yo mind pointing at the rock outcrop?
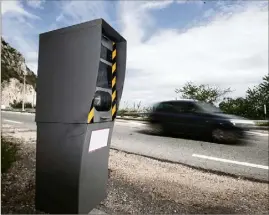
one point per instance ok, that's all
(13, 68)
(12, 91)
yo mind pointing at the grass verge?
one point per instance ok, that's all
(9, 153)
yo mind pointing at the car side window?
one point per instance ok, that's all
(185, 107)
(166, 107)
(190, 108)
(178, 107)
(170, 108)
(159, 108)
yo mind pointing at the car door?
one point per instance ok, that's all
(193, 118)
(196, 122)
(187, 117)
(174, 117)
(166, 114)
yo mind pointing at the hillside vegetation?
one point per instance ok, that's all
(11, 61)
(12, 76)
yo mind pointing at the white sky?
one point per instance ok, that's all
(229, 51)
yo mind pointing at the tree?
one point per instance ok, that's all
(252, 106)
(238, 106)
(258, 97)
(264, 89)
(201, 92)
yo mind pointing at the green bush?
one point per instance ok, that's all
(9, 154)
(122, 112)
(16, 104)
(262, 123)
(136, 111)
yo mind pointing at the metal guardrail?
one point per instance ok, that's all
(26, 110)
(142, 114)
(121, 115)
(261, 121)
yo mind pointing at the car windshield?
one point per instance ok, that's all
(208, 107)
(155, 105)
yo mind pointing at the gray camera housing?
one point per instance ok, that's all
(72, 151)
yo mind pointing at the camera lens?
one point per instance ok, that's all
(102, 101)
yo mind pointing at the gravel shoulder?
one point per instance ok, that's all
(140, 185)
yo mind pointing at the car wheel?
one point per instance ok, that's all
(218, 135)
(224, 136)
(157, 128)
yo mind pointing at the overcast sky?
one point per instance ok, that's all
(221, 43)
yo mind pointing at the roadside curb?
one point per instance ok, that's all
(133, 119)
(263, 128)
(17, 112)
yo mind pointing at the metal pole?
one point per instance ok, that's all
(24, 71)
(264, 106)
(33, 99)
(23, 98)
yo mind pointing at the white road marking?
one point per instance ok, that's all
(12, 121)
(136, 123)
(130, 123)
(258, 133)
(121, 121)
(231, 161)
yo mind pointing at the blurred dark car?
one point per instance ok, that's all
(198, 119)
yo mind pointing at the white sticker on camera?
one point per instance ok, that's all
(99, 139)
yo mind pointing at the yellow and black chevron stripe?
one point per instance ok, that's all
(114, 80)
(91, 114)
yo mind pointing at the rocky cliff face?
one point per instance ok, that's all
(12, 92)
(13, 68)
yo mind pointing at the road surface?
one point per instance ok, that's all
(249, 159)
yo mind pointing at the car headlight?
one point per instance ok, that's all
(242, 122)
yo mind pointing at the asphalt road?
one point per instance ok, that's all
(248, 159)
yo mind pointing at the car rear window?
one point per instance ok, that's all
(166, 107)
